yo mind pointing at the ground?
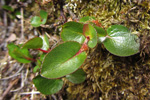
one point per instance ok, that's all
(109, 77)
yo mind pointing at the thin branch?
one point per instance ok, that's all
(23, 79)
(5, 25)
(26, 93)
(11, 84)
(22, 24)
(14, 75)
(52, 25)
(54, 97)
(74, 17)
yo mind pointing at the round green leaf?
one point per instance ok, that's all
(87, 19)
(34, 43)
(62, 60)
(19, 54)
(43, 15)
(36, 21)
(121, 42)
(77, 77)
(89, 31)
(47, 86)
(72, 31)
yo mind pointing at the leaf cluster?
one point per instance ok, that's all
(65, 59)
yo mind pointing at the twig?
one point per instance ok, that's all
(32, 93)
(54, 45)
(61, 3)
(48, 35)
(54, 97)
(11, 84)
(5, 24)
(23, 79)
(74, 17)
(52, 25)
(26, 93)
(22, 85)
(22, 24)
(16, 74)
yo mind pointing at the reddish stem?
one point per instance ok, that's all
(31, 59)
(45, 51)
(84, 46)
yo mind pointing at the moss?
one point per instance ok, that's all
(110, 77)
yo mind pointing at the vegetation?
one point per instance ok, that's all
(67, 57)
(81, 57)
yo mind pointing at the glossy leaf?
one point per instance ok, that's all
(45, 42)
(62, 60)
(101, 33)
(121, 42)
(72, 31)
(36, 21)
(89, 31)
(34, 43)
(47, 86)
(87, 19)
(21, 55)
(43, 15)
(77, 77)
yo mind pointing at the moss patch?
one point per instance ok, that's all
(110, 77)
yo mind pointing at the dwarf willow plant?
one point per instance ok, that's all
(36, 21)
(65, 59)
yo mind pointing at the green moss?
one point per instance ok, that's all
(110, 77)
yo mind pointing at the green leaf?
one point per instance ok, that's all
(72, 31)
(36, 21)
(36, 68)
(43, 15)
(9, 8)
(21, 55)
(34, 43)
(89, 31)
(121, 42)
(101, 33)
(42, 57)
(77, 77)
(40, 60)
(18, 13)
(47, 86)
(62, 60)
(45, 42)
(87, 19)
